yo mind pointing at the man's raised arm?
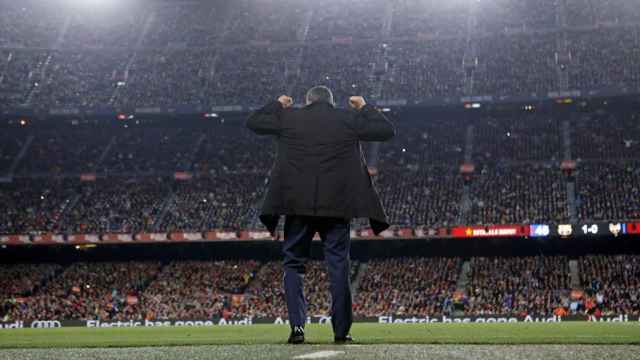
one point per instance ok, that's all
(371, 124)
(266, 121)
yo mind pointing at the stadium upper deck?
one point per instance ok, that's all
(196, 54)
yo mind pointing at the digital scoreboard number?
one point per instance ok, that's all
(591, 229)
(539, 230)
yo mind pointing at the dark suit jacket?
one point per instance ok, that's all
(320, 169)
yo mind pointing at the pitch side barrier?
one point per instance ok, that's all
(388, 319)
(525, 231)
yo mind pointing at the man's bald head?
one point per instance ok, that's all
(319, 94)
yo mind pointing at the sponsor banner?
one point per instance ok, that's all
(388, 234)
(490, 231)
(405, 233)
(117, 238)
(48, 239)
(367, 234)
(255, 235)
(151, 237)
(83, 239)
(185, 236)
(425, 233)
(599, 229)
(39, 324)
(226, 235)
(316, 319)
(15, 239)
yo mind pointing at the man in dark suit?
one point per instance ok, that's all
(320, 182)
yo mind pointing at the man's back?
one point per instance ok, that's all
(320, 169)
(316, 149)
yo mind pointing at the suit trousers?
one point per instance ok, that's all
(335, 235)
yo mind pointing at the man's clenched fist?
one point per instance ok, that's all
(357, 102)
(286, 101)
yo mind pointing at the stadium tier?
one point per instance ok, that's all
(135, 167)
(446, 173)
(191, 55)
(401, 287)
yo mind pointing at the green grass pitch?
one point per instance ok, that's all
(493, 334)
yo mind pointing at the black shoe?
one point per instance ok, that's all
(297, 335)
(343, 340)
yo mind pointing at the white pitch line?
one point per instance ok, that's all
(320, 354)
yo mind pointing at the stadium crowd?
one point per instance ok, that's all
(23, 279)
(222, 171)
(524, 194)
(517, 286)
(408, 286)
(201, 53)
(126, 205)
(605, 135)
(87, 291)
(512, 138)
(11, 141)
(611, 283)
(33, 205)
(195, 290)
(608, 191)
(187, 289)
(222, 201)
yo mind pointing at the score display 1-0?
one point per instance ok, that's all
(590, 229)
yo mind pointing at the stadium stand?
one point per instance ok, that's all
(136, 175)
(408, 286)
(523, 286)
(611, 284)
(33, 205)
(517, 177)
(506, 286)
(195, 289)
(608, 191)
(524, 194)
(88, 291)
(414, 50)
